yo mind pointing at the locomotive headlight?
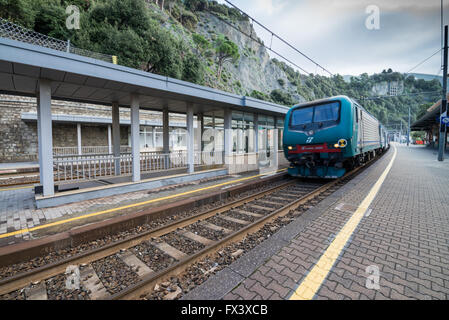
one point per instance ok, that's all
(336, 145)
(290, 148)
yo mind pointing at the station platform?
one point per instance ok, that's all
(383, 235)
(21, 220)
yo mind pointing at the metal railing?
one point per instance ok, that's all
(155, 161)
(95, 167)
(100, 166)
(16, 32)
(86, 150)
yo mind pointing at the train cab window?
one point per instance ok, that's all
(315, 117)
(327, 112)
(302, 116)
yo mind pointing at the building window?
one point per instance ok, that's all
(242, 132)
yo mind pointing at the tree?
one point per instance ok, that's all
(226, 50)
(196, 5)
(50, 19)
(18, 11)
(171, 4)
(201, 42)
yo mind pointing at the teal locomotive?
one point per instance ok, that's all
(329, 137)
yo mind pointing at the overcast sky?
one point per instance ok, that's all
(334, 33)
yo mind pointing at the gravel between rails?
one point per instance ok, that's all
(15, 295)
(58, 255)
(224, 223)
(57, 290)
(204, 232)
(154, 258)
(240, 216)
(199, 272)
(256, 210)
(181, 243)
(114, 274)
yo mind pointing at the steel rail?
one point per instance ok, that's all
(21, 280)
(147, 283)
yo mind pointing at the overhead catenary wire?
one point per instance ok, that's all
(281, 39)
(256, 40)
(422, 62)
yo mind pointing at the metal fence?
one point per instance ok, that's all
(15, 32)
(100, 166)
(90, 168)
(86, 150)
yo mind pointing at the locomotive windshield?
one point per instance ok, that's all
(302, 116)
(322, 113)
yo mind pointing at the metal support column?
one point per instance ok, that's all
(135, 135)
(408, 131)
(200, 130)
(276, 148)
(276, 143)
(166, 135)
(443, 107)
(228, 136)
(79, 141)
(190, 139)
(256, 132)
(116, 137)
(45, 138)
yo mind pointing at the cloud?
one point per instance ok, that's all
(333, 32)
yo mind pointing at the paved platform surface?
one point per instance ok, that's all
(18, 209)
(399, 250)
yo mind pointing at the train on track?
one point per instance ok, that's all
(329, 137)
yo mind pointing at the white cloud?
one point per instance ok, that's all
(333, 32)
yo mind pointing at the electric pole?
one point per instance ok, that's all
(408, 133)
(442, 137)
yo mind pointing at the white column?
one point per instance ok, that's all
(80, 144)
(109, 139)
(215, 133)
(135, 132)
(45, 138)
(166, 136)
(154, 137)
(256, 132)
(166, 130)
(190, 139)
(199, 130)
(276, 147)
(116, 136)
(228, 135)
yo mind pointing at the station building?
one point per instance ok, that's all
(430, 123)
(96, 126)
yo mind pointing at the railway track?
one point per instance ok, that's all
(134, 267)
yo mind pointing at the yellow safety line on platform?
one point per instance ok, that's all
(16, 188)
(313, 281)
(129, 206)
